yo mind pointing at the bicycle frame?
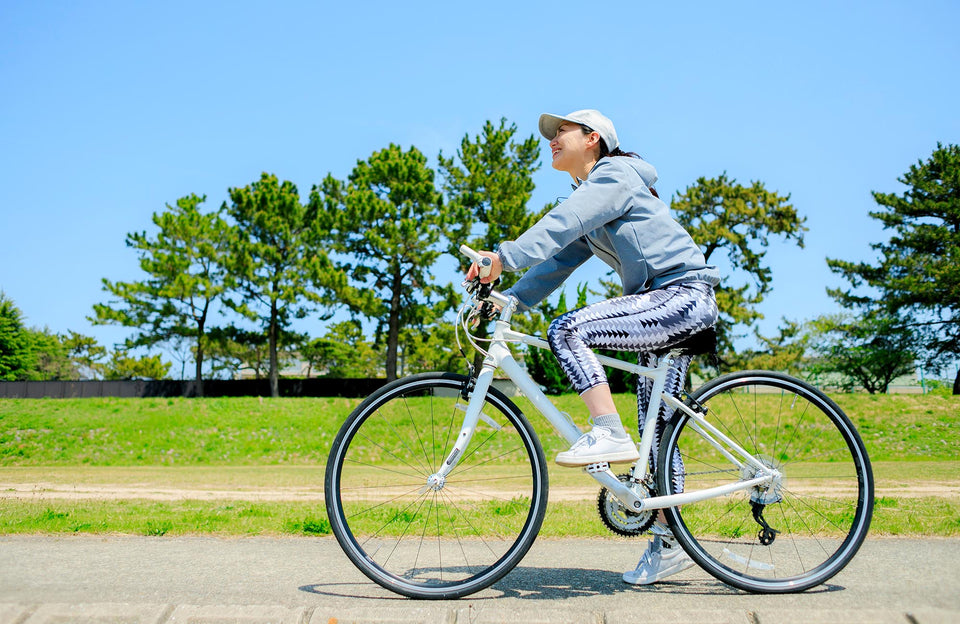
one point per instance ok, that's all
(499, 356)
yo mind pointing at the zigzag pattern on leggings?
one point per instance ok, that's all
(646, 322)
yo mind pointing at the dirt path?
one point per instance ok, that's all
(47, 490)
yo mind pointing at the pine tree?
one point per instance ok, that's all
(16, 357)
(278, 262)
(728, 219)
(185, 276)
(388, 225)
(917, 272)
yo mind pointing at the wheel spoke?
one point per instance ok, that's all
(412, 530)
(819, 507)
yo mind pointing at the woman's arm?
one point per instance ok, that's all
(604, 197)
(541, 280)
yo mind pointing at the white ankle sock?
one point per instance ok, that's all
(611, 422)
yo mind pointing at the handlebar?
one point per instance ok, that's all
(486, 292)
(484, 264)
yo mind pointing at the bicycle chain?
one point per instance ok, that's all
(618, 518)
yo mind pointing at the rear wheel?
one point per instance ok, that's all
(788, 535)
(409, 529)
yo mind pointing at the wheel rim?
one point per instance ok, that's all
(419, 534)
(817, 513)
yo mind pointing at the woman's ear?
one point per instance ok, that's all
(593, 140)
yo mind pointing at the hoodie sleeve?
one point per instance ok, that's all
(541, 280)
(603, 197)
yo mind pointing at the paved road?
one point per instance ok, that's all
(85, 579)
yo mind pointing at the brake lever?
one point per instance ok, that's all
(483, 290)
(471, 286)
(488, 311)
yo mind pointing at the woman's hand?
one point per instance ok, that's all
(496, 268)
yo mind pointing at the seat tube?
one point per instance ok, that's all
(659, 377)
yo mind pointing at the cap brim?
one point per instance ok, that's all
(549, 124)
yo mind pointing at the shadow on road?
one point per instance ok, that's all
(531, 583)
(559, 583)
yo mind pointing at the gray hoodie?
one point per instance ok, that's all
(614, 216)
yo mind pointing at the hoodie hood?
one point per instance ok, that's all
(645, 170)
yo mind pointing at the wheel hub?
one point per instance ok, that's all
(436, 482)
(767, 493)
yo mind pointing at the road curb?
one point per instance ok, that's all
(59, 613)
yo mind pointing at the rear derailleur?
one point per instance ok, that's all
(767, 534)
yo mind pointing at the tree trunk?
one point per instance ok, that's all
(956, 383)
(199, 375)
(393, 327)
(274, 368)
(199, 358)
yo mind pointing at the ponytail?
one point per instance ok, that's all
(616, 152)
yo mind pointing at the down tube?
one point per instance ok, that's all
(531, 390)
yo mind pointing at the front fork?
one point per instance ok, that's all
(477, 390)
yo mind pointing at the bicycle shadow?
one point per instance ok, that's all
(538, 583)
(525, 582)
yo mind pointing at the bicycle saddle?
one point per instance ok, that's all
(701, 343)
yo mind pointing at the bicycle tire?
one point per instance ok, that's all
(816, 518)
(418, 540)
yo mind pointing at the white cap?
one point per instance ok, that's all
(593, 119)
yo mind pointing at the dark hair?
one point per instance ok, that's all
(616, 152)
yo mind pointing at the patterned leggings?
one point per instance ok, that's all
(650, 321)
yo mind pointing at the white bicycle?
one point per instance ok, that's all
(436, 485)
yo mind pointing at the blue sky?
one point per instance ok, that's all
(111, 110)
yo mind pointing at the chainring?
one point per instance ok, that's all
(618, 518)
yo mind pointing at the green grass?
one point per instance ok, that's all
(900, 509)
(150, 432)
(251, 431)
(902, 427)
(892, 517)
(158, 518)
(250, 446)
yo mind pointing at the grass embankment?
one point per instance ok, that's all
(246, 466)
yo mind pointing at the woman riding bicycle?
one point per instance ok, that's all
(615, 214)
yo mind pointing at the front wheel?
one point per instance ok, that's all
(409, 529)
(794, 532)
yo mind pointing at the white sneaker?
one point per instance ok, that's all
(599, 445)
(662, 558)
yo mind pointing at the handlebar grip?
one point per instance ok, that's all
(484, 264)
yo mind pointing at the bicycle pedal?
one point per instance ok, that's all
(597, 467)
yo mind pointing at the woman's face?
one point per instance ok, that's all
(569, 148)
